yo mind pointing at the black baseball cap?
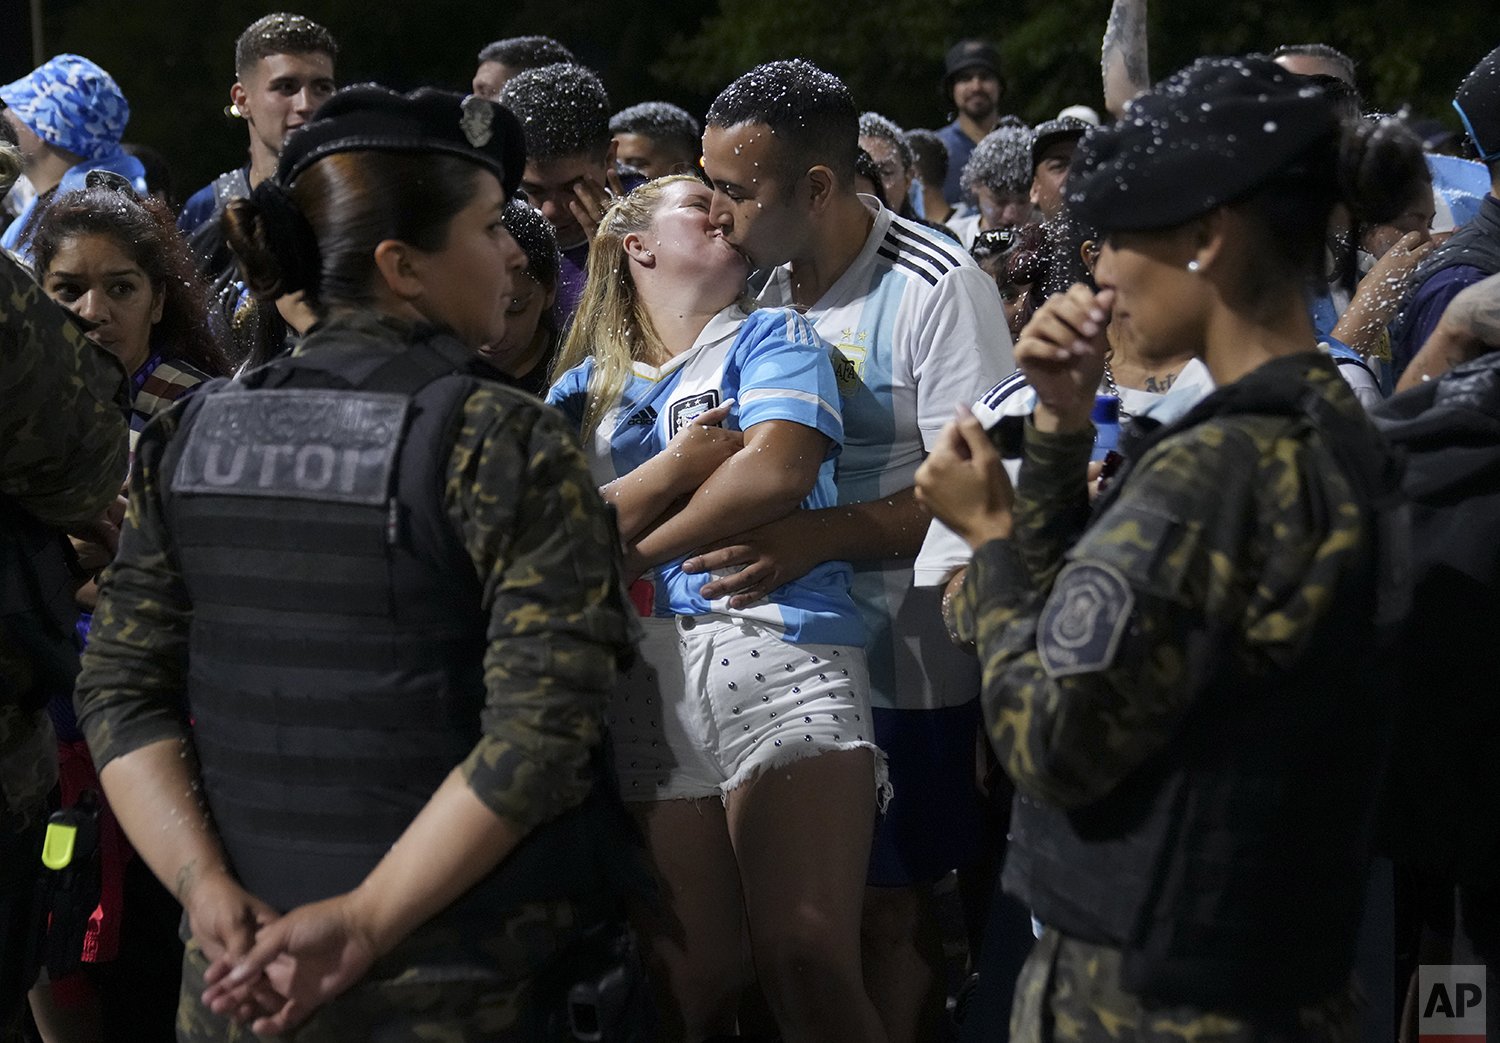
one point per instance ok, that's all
(1050, 132)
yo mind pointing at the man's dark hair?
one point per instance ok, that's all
(527, 52)
(281, 33)
(874, 125)
(537, 239)
(810, 111)
(659, 121)
(563, 108)
(1321, 51)
(929, 156)
(1000, 162)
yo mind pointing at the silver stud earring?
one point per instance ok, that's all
(1193, 265)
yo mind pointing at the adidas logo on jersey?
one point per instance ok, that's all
(642, 418)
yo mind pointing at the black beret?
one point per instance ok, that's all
(1478, 105)
(1203, 137)
(426, 120)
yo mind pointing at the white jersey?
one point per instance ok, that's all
(966, 228)
(1014, 397)
(918, 330)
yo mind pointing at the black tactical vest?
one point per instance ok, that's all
(337, 634)
(1229, 868)
(37, 607)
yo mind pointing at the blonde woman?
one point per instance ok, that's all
(742, 736)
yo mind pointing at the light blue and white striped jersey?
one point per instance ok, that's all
(918, 329)
(775, 368)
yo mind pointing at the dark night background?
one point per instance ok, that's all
(174, 59)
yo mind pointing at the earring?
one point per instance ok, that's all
(650, 256)
(1193, 265)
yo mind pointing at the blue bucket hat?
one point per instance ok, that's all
(71, 103)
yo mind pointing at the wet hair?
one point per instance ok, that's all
(612, 325)
(865, 167)
(811, 113)
(526, 52)
(1386, 167)
(563, 109)
(537, 239)
(929, 155)
(146, 231)
(281, 33)
(1000, 162)
(874, 125)
(1063, 236)
(1367, 165)
(350, 202)
(1322, 52)
(660, 121)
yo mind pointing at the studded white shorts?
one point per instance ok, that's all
(714, 699)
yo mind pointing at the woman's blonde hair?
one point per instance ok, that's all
(611, 323)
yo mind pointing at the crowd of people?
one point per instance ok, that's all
(616, 575)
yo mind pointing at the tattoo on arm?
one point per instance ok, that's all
(187, 876)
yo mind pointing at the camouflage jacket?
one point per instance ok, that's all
(519, 494)
(62, 458)
(1098, 633)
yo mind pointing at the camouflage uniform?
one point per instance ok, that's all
(1099, 635)
(519, 494)
(62, 458)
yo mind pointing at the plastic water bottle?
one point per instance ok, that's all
(1106, 417)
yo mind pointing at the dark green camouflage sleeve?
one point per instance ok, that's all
(63, 446)
(1051, 511)
(547, 552)
(63, 454)
(1226, 540)
(1052, 499)
(131, 690)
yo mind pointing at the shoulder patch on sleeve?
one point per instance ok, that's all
(1084, 619)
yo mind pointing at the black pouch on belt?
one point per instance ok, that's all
(70, 887)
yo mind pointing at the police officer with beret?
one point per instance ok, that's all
(386, 596)
(1183, 681)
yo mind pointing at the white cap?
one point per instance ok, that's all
(1080, 112)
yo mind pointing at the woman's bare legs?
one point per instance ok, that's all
(693, 937)
(801, 834)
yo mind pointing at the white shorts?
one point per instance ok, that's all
(712, 700)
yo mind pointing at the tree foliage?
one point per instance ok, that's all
(174, 58)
